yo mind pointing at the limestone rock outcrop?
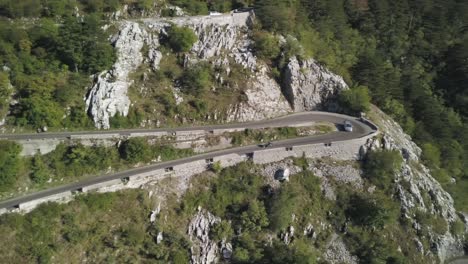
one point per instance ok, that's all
(264, 100)
(310, 86)
(204, 250)
(108, 96)
(222, 40)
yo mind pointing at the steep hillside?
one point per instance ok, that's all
(142, 64)
(224, 46)
(328, 211)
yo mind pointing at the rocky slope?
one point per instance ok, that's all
(223, 40)
(309, 86)
(414, 182)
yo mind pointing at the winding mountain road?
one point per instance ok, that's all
(360, 129)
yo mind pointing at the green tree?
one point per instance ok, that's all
(98, 58)
(39, 170)
(135, 150)
(277, 15)
(82, 45)
(145, 4)
(356, 99)
(431, 155)
(197, 79)
(39, 111)
(221, 231)
(9, 163)
(181, 39)
(255, 217)
(266, 45)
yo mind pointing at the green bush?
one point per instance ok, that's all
(39, 170)
(216, 167)
(181, 39)
(10, 163)
(266, 45)
(380, 167)
(237, 139)
(369, 247)
(135, 150)
(221, 231)
(431, 155)
(197, 80)
(255, 217)
(432, 222)
(457, 228)
(194, 7)
(355, 100)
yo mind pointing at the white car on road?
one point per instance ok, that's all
(348, 126)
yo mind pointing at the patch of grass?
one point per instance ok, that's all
(324, 128)
(431, 222)
(457, 228)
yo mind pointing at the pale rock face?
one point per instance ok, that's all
(204, 251)
(264, 100)
(308, 85)
(222, 40)
(108, 96)
(337, 252)
(419, 181)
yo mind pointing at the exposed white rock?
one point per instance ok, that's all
(159, 238)
(153, 216)
(263, 100)
(288, 235)
(222, 40)
(343, 173)
(108, 96)
(309, 231)
(269, 171)
(337, 252)
(310, 86)
(177, 11)
(204, 251)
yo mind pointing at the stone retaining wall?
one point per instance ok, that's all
(60, 197)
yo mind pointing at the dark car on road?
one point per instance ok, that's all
(266, 145)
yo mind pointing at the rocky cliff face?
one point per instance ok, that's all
(413, 182)
(108, 96)
(309, 86)
(204, 251)
(223, 40)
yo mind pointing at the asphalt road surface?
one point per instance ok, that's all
(289, 120)
(360, 129)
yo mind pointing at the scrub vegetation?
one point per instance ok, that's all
(116, 226)
(71, 162)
